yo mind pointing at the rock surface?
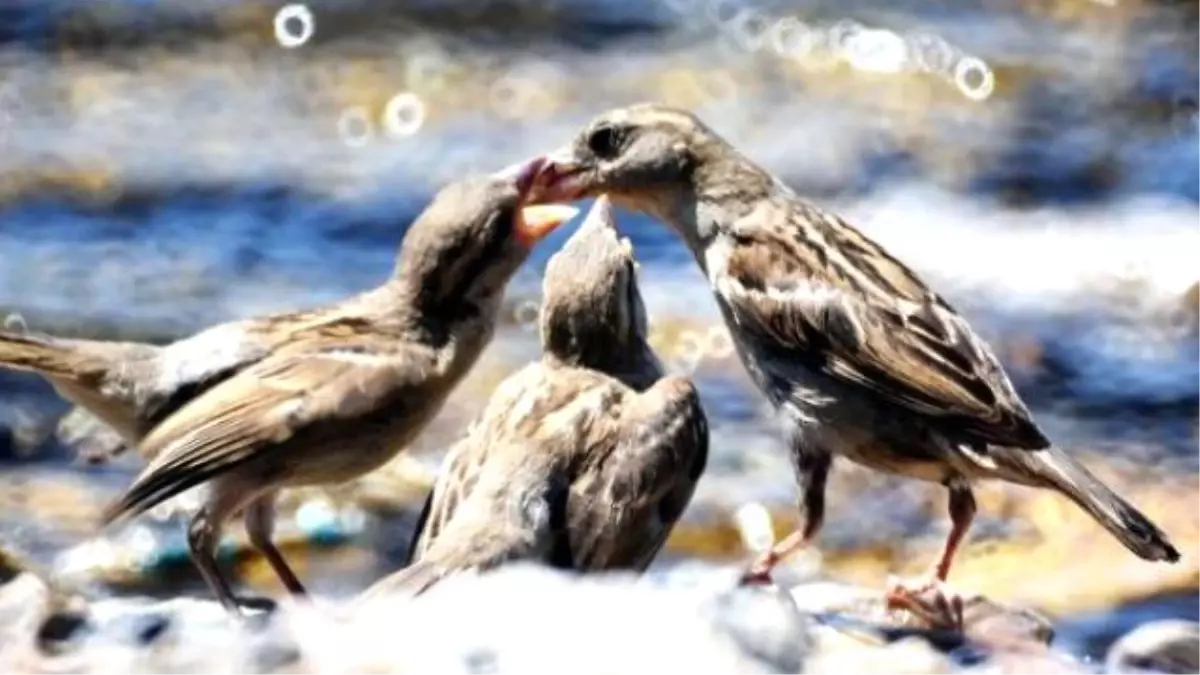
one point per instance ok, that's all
(522, 618)
(1159, 646)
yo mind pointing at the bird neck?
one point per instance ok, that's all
(632, 362)
(722, 190)
(642, 368)
(431, 289)
(460, 328)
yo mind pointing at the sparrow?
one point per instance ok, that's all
(858, 355)
(332, 394)
(581, 461)
(122, 390)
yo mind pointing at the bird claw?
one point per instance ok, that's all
(251, 609)
(930, 600)
(759, 572)
(756, 577)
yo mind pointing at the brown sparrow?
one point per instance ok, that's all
(861, 358)
(582, 461)
(131, 387)
(339, 391)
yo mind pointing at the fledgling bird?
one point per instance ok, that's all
(582, 461)
(122, 390)
(343, 390)
(861, 358)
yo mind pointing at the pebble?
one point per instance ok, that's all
(1167, 646)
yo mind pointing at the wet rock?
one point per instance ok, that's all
(517, 619)
(858, 633)
(520, 618)
(841, 654)
(985, 622)
(689, 619)
(35, 615)
(1159, 646)
(816, 627)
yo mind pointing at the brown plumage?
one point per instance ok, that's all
(337, 392)
(582, 461)
(859, 355)
(131, 387)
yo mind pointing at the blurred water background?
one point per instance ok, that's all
(165, 165)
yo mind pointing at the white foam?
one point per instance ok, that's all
(1050, 257)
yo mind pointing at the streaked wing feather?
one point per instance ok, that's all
(621, 513)
(465, 461)
(265, 404)
(456, 479)
(514, 512)
(907, 346)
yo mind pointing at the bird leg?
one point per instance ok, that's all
(931, 599)
(812, 470)
(203, 536)
(225, 499)
(260, 524)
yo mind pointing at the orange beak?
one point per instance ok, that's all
(535, 222)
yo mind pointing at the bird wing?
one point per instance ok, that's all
(855, 313)
(267, 404)
(513, 512)
(191, 366)
(622, 508)
(466, 459)
(456, 479)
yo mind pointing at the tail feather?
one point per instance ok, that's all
(101, 378)
(1119, 517)
(39, 354)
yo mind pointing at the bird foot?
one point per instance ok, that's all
(756, 577)
(931, 600)
(257, 603)
(759, 572)
(249, 607)
(253, 612)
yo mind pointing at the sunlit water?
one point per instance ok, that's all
(1055, 213)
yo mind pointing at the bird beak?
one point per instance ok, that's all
(559, 178)
(522, 175)
(535, 222)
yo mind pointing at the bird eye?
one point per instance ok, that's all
(605, 142)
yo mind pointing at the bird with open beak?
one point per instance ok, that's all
(861, 358)
(313, 397)
(121, 390)
(582, 461)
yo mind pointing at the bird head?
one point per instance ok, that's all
(639, 155)
(592, 311)
(473, 237)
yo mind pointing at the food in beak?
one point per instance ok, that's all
(535, 222)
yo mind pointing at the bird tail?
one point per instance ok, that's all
(34, 353)
(1119, 517)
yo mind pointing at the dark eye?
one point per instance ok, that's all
(605, 142)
